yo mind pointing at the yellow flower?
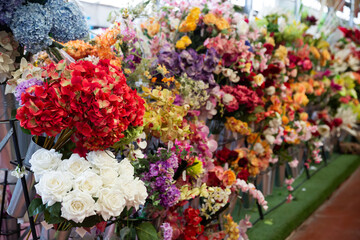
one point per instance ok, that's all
(325, 56)
(152, 27)
(183, 42)
(162, 69)
(222, 24)
(191, 21)
(209, 19)
(281, 53)
(247, 67)
(259, 79)
(270, 40)
(315, 52)
(196, 169)
(237, 126)
(231, 228)
(301, 99)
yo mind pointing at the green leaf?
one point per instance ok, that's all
(36, 206)
(55, 209)
(89, 221)
(146, 231)
(124, 232)
(51, 219)
(26, 131)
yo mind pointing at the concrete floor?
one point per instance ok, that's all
(338, 218)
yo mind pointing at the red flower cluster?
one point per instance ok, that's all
(226, 155)
(353, 34)
(193, 226)
(42, 112)
(244, 97)
(93, 100)
(100, 102)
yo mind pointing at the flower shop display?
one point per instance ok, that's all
(158, 131)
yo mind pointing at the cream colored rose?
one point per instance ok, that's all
(228, 98)
(108, 175)
(125, 169)
(77, 205)
(89, 182)
(134, 192)
(227, 72)
(324, 130)
(44, 160)
(259, 79)
(102, 159)
(111, 203)
(270, 139)
(75, 165)
(258, 148)
(242, 27)
(270, 90)
(53, 186)
(218, 69)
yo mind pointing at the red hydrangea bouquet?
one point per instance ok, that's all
(89, 103)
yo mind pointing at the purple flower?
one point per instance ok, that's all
(167, 231)
(24, 85)
(189, 62)
(211, 60)
(160, 178)
(170, 197)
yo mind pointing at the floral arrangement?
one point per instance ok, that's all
(83, 192)
(162, 130)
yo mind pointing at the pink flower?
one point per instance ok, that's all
(294, 163)
(289, 181)
(289, 198)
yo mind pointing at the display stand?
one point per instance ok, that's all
(12, 133)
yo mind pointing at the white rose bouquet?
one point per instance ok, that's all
(81, 192)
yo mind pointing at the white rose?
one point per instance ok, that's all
(242, 27)
(111, 203)
(218, 69)
(53, 186)
(228, 98)
(324, 130)
(270, 90)
(126, 170)
(174, 23)
(227, 72)
(77, 205)
(134, 191)
(44, 160)
(75, 165)
(234, 77)
(275, 123)
(258, 148)
(102, 159)
(88, 182)
(139, 195)
(108, 175)
(270, 139)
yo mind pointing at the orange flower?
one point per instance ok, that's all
(285, 119)
(229, 178)
(209, 19)
(222, 24)
(304, 116)
(152, 27)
